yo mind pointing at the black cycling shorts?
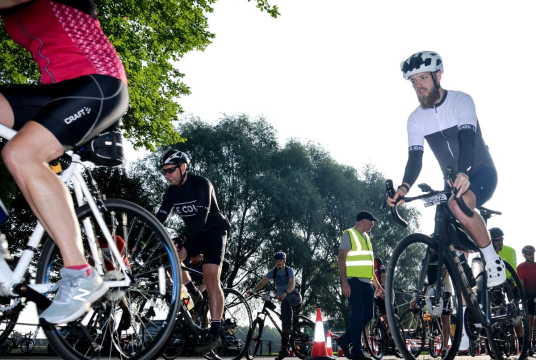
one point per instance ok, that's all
(209, 243)
(74, 111)
(380, 302)
(530, 304)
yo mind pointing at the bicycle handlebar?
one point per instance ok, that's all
(390, 193)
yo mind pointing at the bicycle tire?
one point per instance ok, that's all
(414, 330)
(149, 315)
(236, 323)
(522, 312)
(26, 346)
(375, 339)
(435, 343)
(301, 339)
(402, 272)
(256, 339)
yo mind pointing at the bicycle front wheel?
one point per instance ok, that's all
(134, 322)
(302, 338)
(402, 279)
(255, 346)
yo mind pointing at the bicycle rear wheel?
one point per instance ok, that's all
(413, 330)
(375, 339)
(302, 338)
(236, 326)
(402, 275)
(129, 323)
(512, 309)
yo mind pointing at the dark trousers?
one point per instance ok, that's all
(361, 303)
(291, 300)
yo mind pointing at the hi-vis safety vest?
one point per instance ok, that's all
(360, 259)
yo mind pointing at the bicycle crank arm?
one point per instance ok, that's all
(26, 291)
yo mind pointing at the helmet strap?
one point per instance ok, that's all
(182, 175)
(434, 80)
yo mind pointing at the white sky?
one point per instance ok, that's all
(328, 71)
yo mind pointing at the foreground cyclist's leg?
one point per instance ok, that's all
(27, 156)
(483, 184)
(211, 277)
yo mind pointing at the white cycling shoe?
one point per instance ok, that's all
(496, 272)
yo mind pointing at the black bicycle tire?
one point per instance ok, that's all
(524, 318)
(411, 313)
(256, 339)
(434, 353)
(26, 345)
(382, 339)
(389, 296)
(228, 315)
(161, 241)
(295, 335)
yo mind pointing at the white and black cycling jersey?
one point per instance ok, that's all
(441, 127)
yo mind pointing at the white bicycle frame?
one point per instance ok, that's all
(9, 278)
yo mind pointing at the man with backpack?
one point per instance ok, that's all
(283, 277)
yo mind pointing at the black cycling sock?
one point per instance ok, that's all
(214, 327)
(191, 288)
(520, 340)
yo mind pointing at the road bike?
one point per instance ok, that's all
(192, 326)
(123, 323)
(301, 338)
(378, 340)
(488, 309)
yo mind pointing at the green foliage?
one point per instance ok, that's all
(263, 5)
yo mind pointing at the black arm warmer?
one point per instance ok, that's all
(199, 221)
(466, 139)
(413, 167)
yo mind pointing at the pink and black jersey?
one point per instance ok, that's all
(65, 39)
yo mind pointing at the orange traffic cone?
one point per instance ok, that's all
(328, 344)
(290, 352)
(340, 353)
(320, 351)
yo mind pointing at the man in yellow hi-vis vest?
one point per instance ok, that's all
(356, 266)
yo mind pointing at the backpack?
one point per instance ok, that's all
(296, 286)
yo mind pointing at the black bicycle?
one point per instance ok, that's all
(192, 327)
(488, 310)
(378, 340)
(301, 338)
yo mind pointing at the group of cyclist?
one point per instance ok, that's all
(83, 92)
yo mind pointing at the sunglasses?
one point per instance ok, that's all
(170, 170)
(497, 239)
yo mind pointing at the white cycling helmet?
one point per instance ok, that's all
(424, 61)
